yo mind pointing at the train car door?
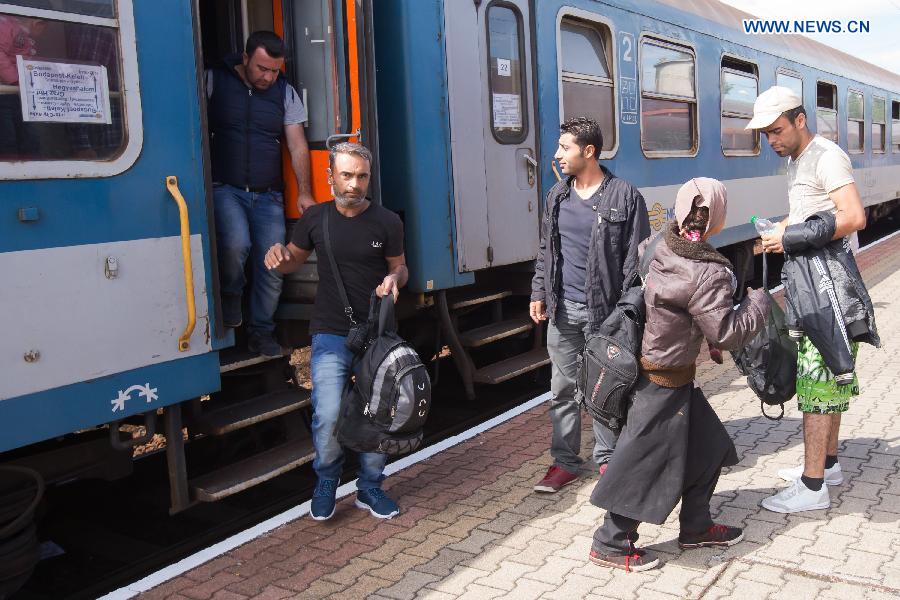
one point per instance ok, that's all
(104, 303)
(492, 140)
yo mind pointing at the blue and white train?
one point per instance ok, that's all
(109, 309)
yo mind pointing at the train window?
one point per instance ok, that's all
(91, 8)
(792, 82)
(739, 89)
(855, 122)
(878, 124)
(316, 64)
(895, 126)
(506, 73)
(587, 84)
(668, 99)
(73, 91)
(826, 110)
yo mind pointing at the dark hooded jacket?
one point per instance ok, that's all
(613, 253)
(825, 297)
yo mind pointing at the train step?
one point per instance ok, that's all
(256, 469)
(512, 367)
(256, 410)
(486, 334)
(464, 298)
(232, 359)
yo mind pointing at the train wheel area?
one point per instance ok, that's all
(472, 526)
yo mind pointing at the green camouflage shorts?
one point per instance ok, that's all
(816, 390)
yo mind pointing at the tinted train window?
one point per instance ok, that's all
(67, 74)
(739, 88)
(668, 99)
(826, 111)
(855, 122)
(895, 126)
(587, 84)
(878, 124)
(506, 74)
(792, 82)
(92, 8)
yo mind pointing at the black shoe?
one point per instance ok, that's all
(265, 345)
(717, 535)
(231, 311)
(638, 559)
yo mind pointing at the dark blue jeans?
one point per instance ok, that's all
(247, 225)
(330, 365)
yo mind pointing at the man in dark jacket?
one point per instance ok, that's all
(592, 226)
(251, 109)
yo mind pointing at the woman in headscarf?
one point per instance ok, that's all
(673, 445)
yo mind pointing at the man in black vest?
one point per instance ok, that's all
(251, 109)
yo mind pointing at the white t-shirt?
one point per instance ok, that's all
(820, 169)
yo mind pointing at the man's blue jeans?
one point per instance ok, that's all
(330, 364)
(248, 224)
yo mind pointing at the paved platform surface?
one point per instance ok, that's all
(472, 527)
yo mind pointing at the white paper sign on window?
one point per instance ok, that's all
(507, 111)
(504, 68)
(53, 92)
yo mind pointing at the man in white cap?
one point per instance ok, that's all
(820, 177)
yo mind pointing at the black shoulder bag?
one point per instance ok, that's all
(609, 365)
(359, 332)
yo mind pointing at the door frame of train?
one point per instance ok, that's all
(479, 244)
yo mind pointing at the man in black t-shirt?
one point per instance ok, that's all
(367, 240)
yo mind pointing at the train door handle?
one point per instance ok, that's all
(331, 140)
(532, 168)
(184, 342)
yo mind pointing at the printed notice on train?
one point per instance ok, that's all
(507, 111)
(55, 92)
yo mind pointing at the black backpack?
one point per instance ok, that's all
(387, 402)
(609, 365)
(770, 359)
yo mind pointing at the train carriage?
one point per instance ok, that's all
(109, 305)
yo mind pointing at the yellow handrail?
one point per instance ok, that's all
(184, 342)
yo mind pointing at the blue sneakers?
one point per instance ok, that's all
(376, 502)
(323, 501)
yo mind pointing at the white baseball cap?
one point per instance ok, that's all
(770, 104)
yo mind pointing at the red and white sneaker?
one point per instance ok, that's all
(554, 480)
(638, 559)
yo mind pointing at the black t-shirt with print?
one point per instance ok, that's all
(360, 245)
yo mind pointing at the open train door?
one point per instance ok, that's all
(493, 140)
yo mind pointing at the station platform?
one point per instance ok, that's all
(471, 526)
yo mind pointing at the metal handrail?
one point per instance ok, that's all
(184, 341)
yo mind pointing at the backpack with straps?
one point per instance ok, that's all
(609, 365)
(769, 360)
(387, 403)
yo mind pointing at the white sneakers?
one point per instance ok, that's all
(833, 476)
(797, 498)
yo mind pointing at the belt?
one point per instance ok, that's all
(262, 188)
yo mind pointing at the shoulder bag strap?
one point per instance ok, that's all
(649, 251)
(348, 310)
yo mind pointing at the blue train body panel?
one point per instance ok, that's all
(414, 137)
(40, 416)
(82, 220)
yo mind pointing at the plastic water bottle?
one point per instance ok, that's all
(763, 226)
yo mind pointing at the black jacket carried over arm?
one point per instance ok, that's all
(613, 252)
(825, 296)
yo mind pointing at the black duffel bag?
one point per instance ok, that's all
(769, 360)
